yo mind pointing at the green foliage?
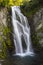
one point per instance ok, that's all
(11, 2)
(4, 3)
(8, 3)
(29, 8)
(3, 54)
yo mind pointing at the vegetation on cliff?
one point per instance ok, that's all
(11, 2)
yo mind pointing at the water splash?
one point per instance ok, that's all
(21, 28)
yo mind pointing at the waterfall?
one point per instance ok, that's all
(21, 30)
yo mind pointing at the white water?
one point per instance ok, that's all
(21, 28)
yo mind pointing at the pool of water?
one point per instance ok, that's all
(16, 60)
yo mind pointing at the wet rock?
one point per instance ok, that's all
(38, 23)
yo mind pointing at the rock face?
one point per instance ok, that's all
(3, 24)
(6, 43)
(38, 23)
(3, 19)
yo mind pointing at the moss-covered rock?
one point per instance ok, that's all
(6, 41)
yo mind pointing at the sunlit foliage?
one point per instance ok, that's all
(12, 2)
(15, 2)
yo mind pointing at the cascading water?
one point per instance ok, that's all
(21, 29)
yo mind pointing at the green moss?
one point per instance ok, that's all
(3, 54)
(1, 39)
(6, 30)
